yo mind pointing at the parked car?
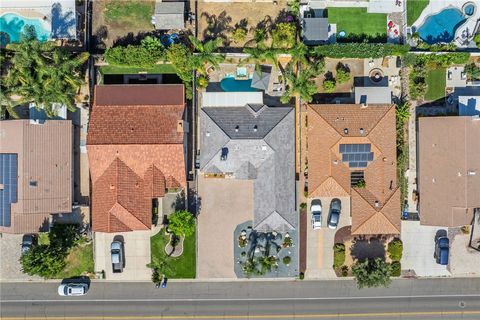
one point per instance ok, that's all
(28, 242)
(116, 250)
(334, 215)
(73, 289)
(442, 248)
(316, 209)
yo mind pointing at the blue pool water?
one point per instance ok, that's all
(441, 27)
(469, 9)
(13, 24)
(230, 84)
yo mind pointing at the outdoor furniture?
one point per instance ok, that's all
(241, 73)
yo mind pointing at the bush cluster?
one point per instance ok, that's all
(145, 55)
(395, 249)
(361, 50)
(395, 269)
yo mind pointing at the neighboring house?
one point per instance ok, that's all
(468, 100)
(448, 170)
(254, 143)
(169, 15)
(135, 147)
(352, 153)
(36, 166)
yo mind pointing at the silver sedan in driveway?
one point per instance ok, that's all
(334, 215)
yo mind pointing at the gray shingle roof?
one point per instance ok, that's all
(315, 30)
(266, 156)
(169, 15)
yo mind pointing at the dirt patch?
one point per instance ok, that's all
(105, 34)
(220, 19)
(356, 67)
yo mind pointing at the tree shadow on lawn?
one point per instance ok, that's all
(365, 249)
(217, 27)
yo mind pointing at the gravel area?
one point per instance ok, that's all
(10, 252)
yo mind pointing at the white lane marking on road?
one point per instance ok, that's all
(249, 299)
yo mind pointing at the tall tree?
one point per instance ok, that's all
(42, 73)
(206, 54)
(299, 84)
(372, 273)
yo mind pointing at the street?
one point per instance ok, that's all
(405, 299)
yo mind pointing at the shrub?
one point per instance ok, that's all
(344, 271)
(329, 85)
(43, 260)
(395, 269)
(181, 58)
(361, 50)
(476, 39)
(472, 71)
(243, 254)
(338, 255)
(284, 35)
(301, 276)
(135, 56)
(343, 75)
(287, 242)
(361, 184)
(395, 249)
(303, 205)
(239, 35)
(286, 260)
(181, 223)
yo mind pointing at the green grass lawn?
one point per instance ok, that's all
(357, 21)
(183, 267)
(134, 13)
(79, 262)
(436, 82)
(414, 10)
(158, 68)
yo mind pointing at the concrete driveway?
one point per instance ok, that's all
(418, 250)
(137, 255)
(10, 252)
(225, 203)
(320, 242)
(464, 260)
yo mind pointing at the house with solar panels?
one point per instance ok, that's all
(35, 173)
(352, 157)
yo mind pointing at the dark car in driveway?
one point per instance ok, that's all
(442, 250)
(117, 252)
(334, 214)
(28, 242)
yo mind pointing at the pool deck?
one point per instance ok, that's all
(470, 25)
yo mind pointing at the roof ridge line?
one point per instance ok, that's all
(381, 118)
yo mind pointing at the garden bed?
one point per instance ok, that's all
(183, 267)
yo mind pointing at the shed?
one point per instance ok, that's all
(169, 15)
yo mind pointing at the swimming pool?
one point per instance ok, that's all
(441, 27)
(229, 84)
(12, 25)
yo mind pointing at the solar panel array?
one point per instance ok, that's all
(357, 155)
(8, 194)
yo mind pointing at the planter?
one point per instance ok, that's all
(174, 251)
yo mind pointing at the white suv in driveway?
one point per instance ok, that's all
(316, 210)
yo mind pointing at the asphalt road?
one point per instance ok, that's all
(405, 299)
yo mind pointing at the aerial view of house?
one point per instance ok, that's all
(239, 159)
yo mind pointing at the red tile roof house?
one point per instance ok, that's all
(135, 148)
(348, 143)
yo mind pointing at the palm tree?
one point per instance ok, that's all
(206, 55)
(261, 54)
(299, 54)
(267, 263)
(43, 74)
(300, 84)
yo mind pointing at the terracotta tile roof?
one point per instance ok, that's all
(132, 95)
(128, 167)
(332, 125)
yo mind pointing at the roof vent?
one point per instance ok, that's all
(33, 183)
(471, 172)
(345, 130)
(112, 187)
(236, 128)
(207, 133)
(362, 131)
(255, 128)
(335, 162)
(377, 204)
(364, 105)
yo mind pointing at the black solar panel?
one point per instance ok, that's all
(8, 192)
(357, 155)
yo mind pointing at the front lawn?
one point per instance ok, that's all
(356, 21)
(132, 13)
(183, 267)
(436, 82)
(79, 262)
(414, 10)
